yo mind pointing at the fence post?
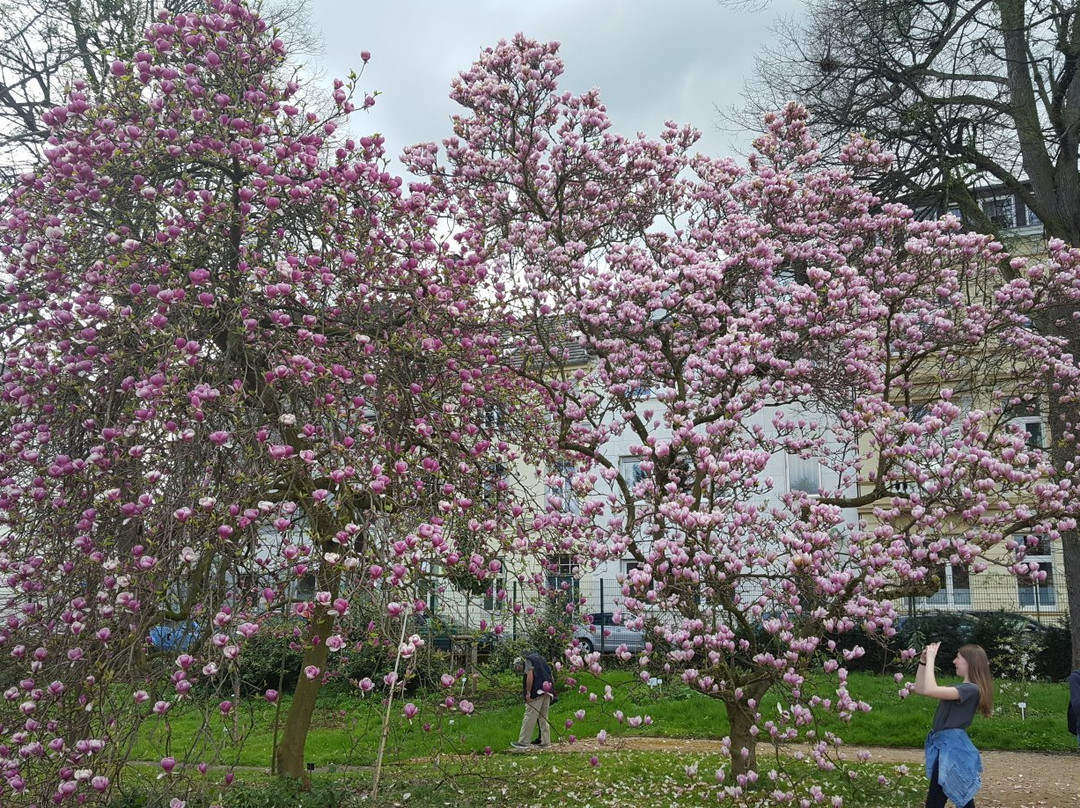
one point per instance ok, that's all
(603, 611)
(514, 612)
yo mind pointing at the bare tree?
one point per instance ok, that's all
(966, 93)
(45, 45)
(969, 94)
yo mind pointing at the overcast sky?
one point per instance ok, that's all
(652, 61)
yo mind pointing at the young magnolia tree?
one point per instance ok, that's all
(736, 314)
(236, 357)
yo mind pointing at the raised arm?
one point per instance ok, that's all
(925, 681)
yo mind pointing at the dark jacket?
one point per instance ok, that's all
(542, 680)
(1074, 702)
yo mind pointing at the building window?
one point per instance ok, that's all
(1001, 211)
(1037, 593)
(630, 471)
(917, 413)
(1026, 415)
(492, 419)
(560, 494)
(491, 595)
(804, 474)
(793, 272)
(631, 564)
(955, 586)
(560, 576)
(493, 484)
(1030, 219)
(305, 588)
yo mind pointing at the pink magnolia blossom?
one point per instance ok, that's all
(723, 308)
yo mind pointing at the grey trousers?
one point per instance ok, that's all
(536, 710)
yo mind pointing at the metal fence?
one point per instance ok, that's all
(519, 608)
(989, 591)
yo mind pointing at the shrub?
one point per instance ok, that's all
(503, 655)
(272, 659)
(880, 653)
(549, 634)
(1017, 647)
(1052, 657)
(1009, 641)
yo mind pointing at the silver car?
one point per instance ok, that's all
(605, 636)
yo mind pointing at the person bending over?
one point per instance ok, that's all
(537, 687)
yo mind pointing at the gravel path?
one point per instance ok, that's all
(1014, 779)
(1010, 779)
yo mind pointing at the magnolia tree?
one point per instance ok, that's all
(733, 314)
(236, 357)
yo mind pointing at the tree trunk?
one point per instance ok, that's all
(290, 752)
(289, 756)
(743, 743)
(1064, 420)
(1070, 553)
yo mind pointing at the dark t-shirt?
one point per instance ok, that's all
(958, 714)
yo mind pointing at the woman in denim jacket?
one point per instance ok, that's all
(953, 763)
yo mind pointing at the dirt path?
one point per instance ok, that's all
(1010, 779)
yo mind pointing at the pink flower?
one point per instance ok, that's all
(410, 710)
(466, 707)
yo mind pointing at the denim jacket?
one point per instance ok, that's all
(959, 765)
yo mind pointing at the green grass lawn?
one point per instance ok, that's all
(442, 757)
(621, 778)
(347, 724)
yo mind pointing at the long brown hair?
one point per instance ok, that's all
(979, 675)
